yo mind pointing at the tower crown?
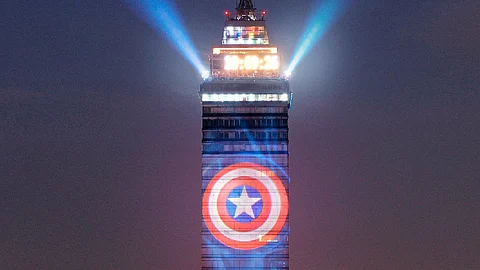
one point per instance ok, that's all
(245, 51)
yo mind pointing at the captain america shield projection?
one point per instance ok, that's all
(245, 206)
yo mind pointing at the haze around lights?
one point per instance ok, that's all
(323, 16)
(163, 16)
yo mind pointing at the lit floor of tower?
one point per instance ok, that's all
(245, 176)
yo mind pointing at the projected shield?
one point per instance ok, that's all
(245, 206)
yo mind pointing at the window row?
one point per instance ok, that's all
(244, 97)
(273, 86)
(244, 264)
(211, 163)
(245, 148)
(232, 109)
(246, 135)
(244, 123)
(256, 148)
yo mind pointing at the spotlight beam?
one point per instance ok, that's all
(163, 17)
(320, 21)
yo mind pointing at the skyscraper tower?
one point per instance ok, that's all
(245, 170)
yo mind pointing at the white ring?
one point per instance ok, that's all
(266, 227)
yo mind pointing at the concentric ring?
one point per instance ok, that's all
(263, 228)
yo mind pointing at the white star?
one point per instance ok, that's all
(244, 204)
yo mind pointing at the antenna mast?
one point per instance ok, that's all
(245, 11)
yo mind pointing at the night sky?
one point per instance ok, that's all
(100, 142)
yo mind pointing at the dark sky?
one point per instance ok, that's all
(100, 138)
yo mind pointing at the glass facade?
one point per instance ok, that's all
(245, 182)
(245, 150)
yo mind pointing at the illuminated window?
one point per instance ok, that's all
(244, 97)
(245, 35)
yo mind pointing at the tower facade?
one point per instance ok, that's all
(245, 168)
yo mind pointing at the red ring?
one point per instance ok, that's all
(254, 243)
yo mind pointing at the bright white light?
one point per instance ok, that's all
(287, 73)
(244, 97)
(231, 62)
(271, 62)
(205, 74)
(251, 62)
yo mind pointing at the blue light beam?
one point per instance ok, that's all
(163, 17)
(323, 16)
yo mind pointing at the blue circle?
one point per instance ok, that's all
(256, 207)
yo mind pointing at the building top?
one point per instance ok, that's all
(245, 52)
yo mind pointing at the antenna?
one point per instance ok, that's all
(245, 11)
